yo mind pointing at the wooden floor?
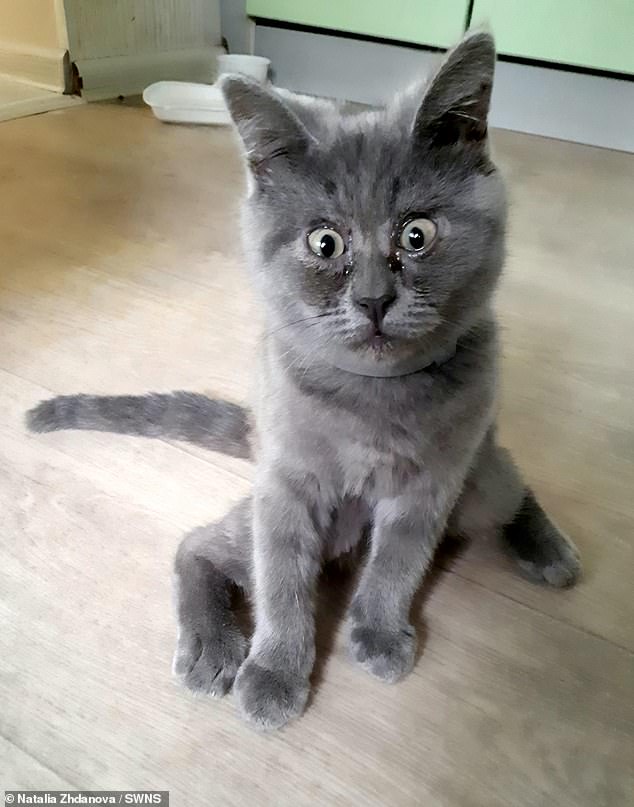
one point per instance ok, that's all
(120, 271)
(18, 99)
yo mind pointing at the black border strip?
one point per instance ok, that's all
(312, 29)
(467, 21)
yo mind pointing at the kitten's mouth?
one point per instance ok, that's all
(378, 342)
(374, 343)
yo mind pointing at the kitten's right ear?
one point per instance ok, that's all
(268, 128)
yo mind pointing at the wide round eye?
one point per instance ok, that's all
(326, 243)
(418, 235)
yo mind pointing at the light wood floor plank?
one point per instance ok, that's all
(20, 771)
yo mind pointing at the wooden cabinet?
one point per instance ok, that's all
(427, 22)
(597, 34)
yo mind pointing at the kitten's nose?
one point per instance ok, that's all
(375, 308)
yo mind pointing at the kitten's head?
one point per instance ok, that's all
(378, 236)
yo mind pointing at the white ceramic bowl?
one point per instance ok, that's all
(255, 66)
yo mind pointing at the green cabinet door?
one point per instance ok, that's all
(590, 33)
(426, 22)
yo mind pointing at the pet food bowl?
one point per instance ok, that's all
(184, 102)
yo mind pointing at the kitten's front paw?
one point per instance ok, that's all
(206, 665)
(386, 654)
(267, 699)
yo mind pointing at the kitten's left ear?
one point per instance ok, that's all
(268, 128)
(456, 103)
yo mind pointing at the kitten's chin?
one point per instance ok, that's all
(381, 357)
(380, 345)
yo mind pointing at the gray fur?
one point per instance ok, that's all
(399, 440)
(357, 437)
(537, 546)
(213, 424)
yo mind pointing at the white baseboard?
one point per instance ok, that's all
(111, 76)
(38, 67)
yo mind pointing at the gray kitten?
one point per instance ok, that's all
(375, 241)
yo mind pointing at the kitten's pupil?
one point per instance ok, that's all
(326, 243)
(416, 238)
(418, 235)
(327, 246)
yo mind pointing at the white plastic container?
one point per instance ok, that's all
(184, 102)
(255, 66)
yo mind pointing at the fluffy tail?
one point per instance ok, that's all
(214, 424)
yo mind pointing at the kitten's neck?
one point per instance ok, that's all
(476, 347)
(370, 365)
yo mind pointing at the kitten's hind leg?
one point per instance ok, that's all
(495, 500)
(541, 550)
(211, 561)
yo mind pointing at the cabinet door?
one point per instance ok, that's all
(426, 22)
(590, 33)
